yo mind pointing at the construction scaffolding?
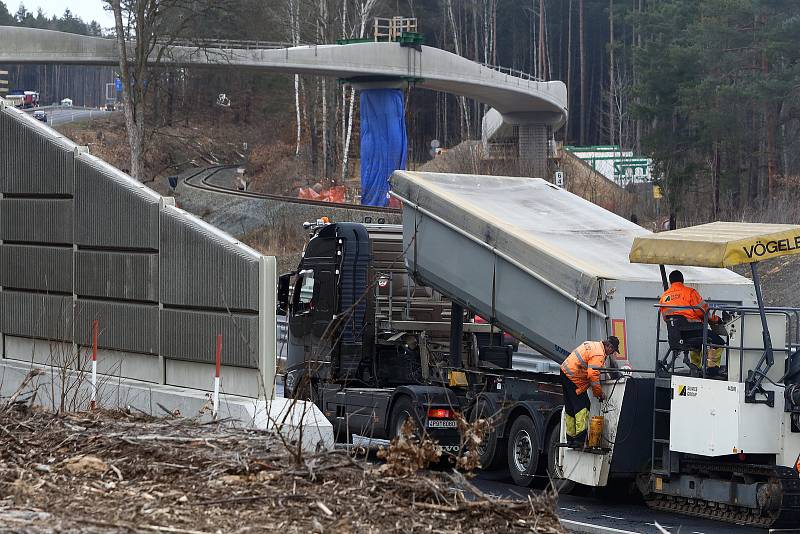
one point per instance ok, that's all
(390, 29)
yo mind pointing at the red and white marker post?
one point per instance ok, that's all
(93, 401)
(215, 397)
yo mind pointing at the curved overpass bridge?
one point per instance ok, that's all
(520, 99)
(516, 99)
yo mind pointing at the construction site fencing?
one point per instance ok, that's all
(81, 241)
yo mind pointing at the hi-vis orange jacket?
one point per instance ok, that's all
(578, 367)
(681, 295)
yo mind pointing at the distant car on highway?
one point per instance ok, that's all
(40, 116)
(67, 103)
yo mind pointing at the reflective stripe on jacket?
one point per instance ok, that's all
(580, 366)
(681, 295)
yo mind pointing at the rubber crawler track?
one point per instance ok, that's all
(202, 180)
(788, 515)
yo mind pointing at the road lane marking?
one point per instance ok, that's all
(521, 496)
(589, 528)
(613, 517)
(568, 509)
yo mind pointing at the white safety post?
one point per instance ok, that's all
(93, 402)
(215, 397)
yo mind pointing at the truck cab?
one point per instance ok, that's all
(354, 318)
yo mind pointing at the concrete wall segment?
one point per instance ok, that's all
(36, 315)
(47, 269)
(46, 166)
(117, 275)
(122, 326)
(36, 220)
(203, 267)
(191, 336)
(113, 210)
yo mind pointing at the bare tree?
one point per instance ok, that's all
(464, 111)
(294, 30)
(611, 79)
(145, 30)
(582, 45)
(365, 8)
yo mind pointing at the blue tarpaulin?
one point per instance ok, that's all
(383, 142)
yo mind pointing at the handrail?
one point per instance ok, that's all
(791, 342)
(513, 72)
(241, 44)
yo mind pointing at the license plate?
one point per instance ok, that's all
(441, 423)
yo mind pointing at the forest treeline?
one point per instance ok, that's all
(710, 89)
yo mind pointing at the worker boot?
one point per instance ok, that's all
(578, 442)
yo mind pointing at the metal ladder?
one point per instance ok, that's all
(662, 397)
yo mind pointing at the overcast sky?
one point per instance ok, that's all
(88, 10)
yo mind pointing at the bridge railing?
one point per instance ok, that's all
(513, 72)
(232, 44)
(240, 44)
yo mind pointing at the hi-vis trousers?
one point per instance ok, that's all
(576, 412)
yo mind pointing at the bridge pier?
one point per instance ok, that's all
(383, 143)
(533, 140)
(534, 129)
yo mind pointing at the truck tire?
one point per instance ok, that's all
(523, 451)
(562, 485)
(492, 450)
(403, 409)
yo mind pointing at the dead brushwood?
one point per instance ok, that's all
(112, 471)
(408, 453)
(472, 434)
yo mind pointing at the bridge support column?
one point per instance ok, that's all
(533, 139)
(384, 144)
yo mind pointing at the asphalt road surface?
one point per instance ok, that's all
(615, 511)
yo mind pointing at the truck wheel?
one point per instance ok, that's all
(554, 472)
(523, 451)
(401, 412)
(492, 450)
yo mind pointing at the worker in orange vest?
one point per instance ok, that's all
(678, 295)
(579, 372)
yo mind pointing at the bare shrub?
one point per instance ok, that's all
(472, 434)
(408, 453)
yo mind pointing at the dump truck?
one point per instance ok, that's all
(391, 340)
(374, 348)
